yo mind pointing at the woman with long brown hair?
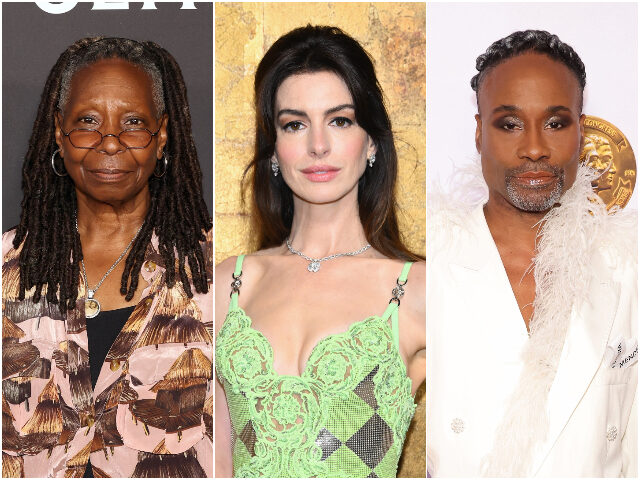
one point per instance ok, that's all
(317, 364)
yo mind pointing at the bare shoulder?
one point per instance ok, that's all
(265, 252)
(414, 289)
(253, 266)
(257, 263)
(415, 296)
(225, 268)
(223, 288)
(417, 277)
(418, 270)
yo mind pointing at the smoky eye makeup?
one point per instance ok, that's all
(509, 122)
(558, 121)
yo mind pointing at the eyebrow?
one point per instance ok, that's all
(515, 108)
(558, 108)
(300, 113)
(505, 108)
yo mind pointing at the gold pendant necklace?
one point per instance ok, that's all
(92, 305)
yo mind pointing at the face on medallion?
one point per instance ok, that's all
(321, 150)
(598, 155)
(529, 131)
(110, 96)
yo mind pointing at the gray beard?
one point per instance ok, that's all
(531, 201)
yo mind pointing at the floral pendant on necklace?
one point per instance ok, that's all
(314, 267)
(91, 305)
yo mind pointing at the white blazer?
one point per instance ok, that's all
(475, 334)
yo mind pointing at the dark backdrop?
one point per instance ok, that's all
(32, 40)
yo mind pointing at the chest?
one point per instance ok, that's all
(104, 277)
(518, 267)
(296, 313)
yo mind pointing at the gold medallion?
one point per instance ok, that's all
(91, 307)
(608, 151)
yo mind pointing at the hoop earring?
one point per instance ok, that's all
(166, 165)
(53, 164)
(275, 166)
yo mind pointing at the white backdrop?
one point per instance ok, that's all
(603, 34)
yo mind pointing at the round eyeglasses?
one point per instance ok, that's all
(91, 138)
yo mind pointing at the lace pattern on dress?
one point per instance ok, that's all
(345, 416)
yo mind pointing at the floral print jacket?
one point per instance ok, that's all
(151, 412)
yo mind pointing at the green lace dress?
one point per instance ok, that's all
(345, 416)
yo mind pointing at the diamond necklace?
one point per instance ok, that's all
(314, 263)
(92, 305)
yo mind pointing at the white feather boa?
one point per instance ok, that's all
(568, 237)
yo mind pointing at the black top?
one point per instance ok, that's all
(102, 331)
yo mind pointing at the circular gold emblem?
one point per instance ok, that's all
(91, 308)
(607, 150)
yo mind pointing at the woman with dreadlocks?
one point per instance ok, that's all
(107, 310)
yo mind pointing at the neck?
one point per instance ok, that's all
(510, 225)
(111, 220)
(319, 230)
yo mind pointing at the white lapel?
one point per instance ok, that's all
(489, 278)
(583, 351)
(476, 230)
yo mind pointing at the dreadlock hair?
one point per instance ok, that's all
(325, 49)
(517, 43)
(51, 250)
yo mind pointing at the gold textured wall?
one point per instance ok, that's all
(394, 35)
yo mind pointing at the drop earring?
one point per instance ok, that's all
(275, 166)
(371, 159)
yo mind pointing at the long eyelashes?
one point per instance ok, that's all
(341, 122)
(292, 126)
(297, 125)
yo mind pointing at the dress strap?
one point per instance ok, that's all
(394, 303)
(236, 283)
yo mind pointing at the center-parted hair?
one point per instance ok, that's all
(325, 49)
(51, 250)
(517, 43)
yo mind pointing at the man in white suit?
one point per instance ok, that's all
(531, 292)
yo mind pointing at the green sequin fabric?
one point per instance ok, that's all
(345, 416)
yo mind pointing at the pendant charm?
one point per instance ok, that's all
(91, 306)
(314, 267)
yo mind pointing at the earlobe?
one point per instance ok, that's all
(57, 120)
(162, 136)
(478, 133)
(373, 148)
